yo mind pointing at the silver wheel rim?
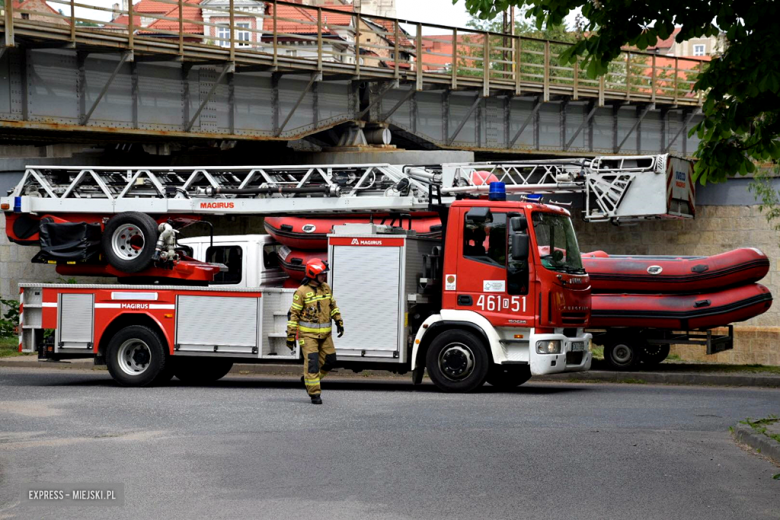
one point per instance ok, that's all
(456, 361)
(127, 242)
(621, 354)
(134, 357)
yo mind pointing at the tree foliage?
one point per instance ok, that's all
(741, 123)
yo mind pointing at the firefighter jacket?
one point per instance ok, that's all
(312, 310)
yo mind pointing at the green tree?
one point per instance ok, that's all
(741, 123)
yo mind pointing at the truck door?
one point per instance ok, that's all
(489, 280)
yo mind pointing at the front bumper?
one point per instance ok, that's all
(568, 360)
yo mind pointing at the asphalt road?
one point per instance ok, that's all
(254, 447)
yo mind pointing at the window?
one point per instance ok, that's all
(556, 242)
(486, 241)
(698, 50)
(271, 256)
(25, 16)
(223, 33)
(243, 37)
(232, 257)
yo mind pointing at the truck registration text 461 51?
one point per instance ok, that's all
(496, 302)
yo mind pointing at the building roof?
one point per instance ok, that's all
(25, 5)
(191, 13)
(667, 43)
(303, 20)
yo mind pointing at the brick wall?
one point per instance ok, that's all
(715, 229)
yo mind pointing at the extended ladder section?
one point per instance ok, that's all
(615, 187)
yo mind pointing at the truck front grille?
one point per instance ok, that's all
(574, 358)
(574, 318)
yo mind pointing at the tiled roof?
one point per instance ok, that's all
(290, 19)
(191, 11)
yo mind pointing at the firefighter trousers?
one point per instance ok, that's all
(319, 357)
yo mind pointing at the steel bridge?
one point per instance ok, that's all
(213, 75)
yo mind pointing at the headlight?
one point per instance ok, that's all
(548, 347)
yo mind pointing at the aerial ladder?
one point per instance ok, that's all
(79, 213)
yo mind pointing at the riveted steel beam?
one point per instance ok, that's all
(534, 111)
(314, 77)
(685, 124)
(229, 67)
(592, 106)
(465, 119)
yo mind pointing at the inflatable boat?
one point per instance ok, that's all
(678, 311)
(674, 274)
(293, 262)
(311, 233)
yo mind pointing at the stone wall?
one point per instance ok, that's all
(715, 229)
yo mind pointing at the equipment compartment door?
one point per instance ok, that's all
(76, 321)
(221, 324)
(366, 285)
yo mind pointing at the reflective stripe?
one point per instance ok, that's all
(296, 306)
(312, 381)
(317, 299)
(315, 325)
(319, 330)
(292, 323)
(335, 311)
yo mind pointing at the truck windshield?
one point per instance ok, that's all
(557, 243)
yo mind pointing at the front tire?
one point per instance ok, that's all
(201, 371)
(457, 361)
(129, 240)
(136, 357)
(508, 377)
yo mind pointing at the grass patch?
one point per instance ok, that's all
(598, 352)
(10, 347)
(759, 426)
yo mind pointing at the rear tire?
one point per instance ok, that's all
(201, 371)
(622, 354)
(457, 361)
(136, 357)
(508, 377)
(129, 240)
(654, 354)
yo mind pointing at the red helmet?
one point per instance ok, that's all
(314, 267)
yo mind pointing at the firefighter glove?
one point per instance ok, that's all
(340, 327)
(291, 342)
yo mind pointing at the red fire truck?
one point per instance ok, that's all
(501, 297)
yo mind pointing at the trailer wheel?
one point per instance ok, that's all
(136, 357)
(201, 371)
(129, 240)
(654, 354)
(457, 361)
(507, 377)
(621, 354)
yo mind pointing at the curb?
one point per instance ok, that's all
(592, 376)
(761, 443)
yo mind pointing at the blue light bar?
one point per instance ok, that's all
(497, 191)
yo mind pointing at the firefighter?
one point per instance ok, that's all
(312, 310)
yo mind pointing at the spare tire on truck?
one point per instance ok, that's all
(129, 240)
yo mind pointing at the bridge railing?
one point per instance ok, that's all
(336, 37)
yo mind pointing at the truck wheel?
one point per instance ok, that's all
(654, 354)
(135, 356)
(201, 371)
(129, 240)
(507, 377)
(621, 354)
(457, 361)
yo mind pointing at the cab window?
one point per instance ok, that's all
(232, 257)
(486, 241)
(271, 256)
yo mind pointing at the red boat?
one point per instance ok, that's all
(678, 311)
(293, 262)
(311, 233)
(674, 274)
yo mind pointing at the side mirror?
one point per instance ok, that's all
(518, 224)
(520, 246)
